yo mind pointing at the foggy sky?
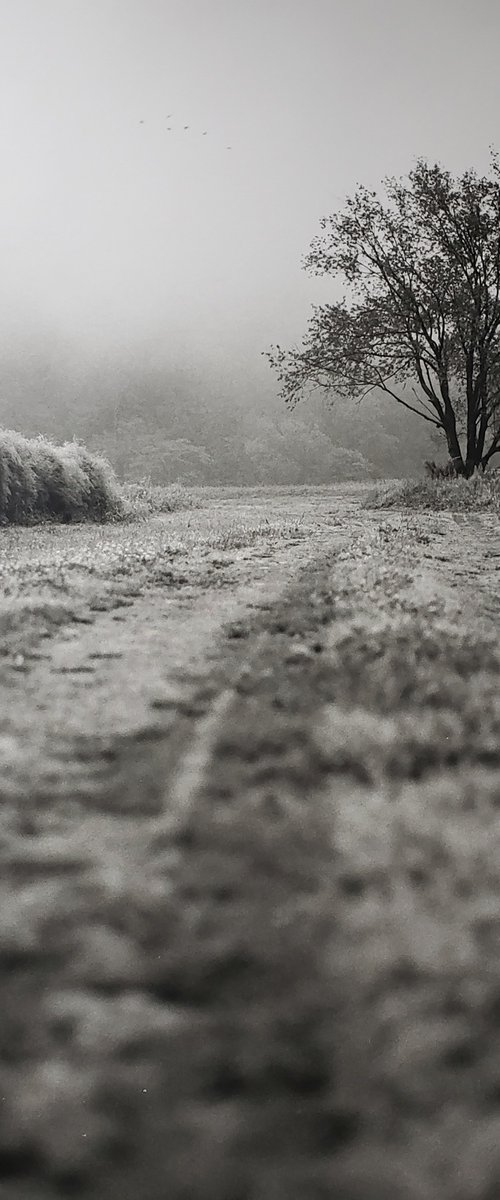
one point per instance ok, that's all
(112, 230)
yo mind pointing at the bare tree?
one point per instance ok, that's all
(421, 316)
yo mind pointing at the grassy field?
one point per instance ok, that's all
(249, 897)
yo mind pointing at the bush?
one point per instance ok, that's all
(40, 481)
(18, 483)
(455, 495)
(101, 495)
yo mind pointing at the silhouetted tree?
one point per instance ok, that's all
(421, 318)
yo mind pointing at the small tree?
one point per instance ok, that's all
(421, 318)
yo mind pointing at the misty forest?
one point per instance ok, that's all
(249, 601)
(183, 424)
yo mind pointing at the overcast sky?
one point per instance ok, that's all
(113, 228)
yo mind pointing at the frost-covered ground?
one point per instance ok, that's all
(249, 846)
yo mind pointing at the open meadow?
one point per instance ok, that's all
(249, 841)
(250, 600)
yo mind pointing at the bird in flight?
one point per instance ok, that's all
(141, 122)
(229, 147)
(169, 128)
(186, 127)
(204, 134)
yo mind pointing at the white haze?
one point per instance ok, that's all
(119, 234)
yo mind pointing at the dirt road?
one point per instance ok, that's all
(250, 908)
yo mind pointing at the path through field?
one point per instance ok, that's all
(250, 846)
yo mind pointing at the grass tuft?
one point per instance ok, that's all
(145, 499)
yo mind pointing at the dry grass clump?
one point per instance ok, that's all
(40, 481)
(145, 499)
(456, 495)
(239, 535)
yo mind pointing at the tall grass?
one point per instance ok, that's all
(144, 499)
(40, 481)
(479, 493)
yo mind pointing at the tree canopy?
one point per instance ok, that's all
(420, 318)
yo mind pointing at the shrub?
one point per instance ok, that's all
(18, 484)
(102, 495)
(40, 481)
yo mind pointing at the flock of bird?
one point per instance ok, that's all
(185, 128)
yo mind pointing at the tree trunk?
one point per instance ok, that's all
(455, 452)
(449, 428)
(486, 457)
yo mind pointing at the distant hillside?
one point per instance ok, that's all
(201, 425)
